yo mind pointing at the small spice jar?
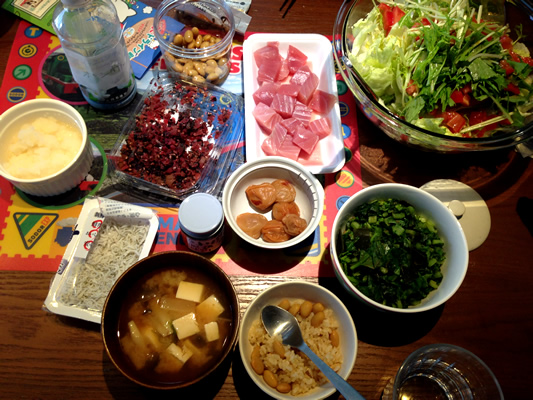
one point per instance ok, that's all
(201, 220)
(196, 37)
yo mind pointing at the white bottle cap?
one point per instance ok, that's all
(200, 215)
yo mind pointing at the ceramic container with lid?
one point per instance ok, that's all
(201, 219)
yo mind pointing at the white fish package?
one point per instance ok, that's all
(109, 237)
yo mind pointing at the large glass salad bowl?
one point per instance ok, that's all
(473, 111)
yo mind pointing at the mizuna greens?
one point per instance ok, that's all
(442, 66)
(392, 254)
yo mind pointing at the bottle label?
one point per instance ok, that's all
(105, 78)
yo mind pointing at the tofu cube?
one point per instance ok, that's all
(190, 291)
(186, 326)
(182, 354)
(211, 331)
(209, 309)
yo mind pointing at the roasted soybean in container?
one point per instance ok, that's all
(201, 220)
(195, 37)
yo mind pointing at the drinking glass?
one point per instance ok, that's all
(443, 372)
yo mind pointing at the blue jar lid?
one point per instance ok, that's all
(200, 215)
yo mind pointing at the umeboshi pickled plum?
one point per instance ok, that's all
(293, 224)
(251, 223)
(262, 196)
(279, 210)
(285, 191)
(274, 232)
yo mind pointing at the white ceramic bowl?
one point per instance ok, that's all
(68, 177)
(309, 195)
(455, 245)
(308, 291)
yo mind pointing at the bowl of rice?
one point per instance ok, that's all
(289, 372)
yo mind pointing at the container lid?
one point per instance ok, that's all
(468, 207)
(200, 215)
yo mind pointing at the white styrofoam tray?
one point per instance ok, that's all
(318, 49)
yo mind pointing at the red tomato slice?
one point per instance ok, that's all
(506, 67)
(511, 87)
(457, 96)
(456, 123)
(506, 42)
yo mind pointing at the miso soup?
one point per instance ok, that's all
(174, 324)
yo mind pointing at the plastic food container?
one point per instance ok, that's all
(166, 97)
(196, 38)
(201, 219)
(65, 178)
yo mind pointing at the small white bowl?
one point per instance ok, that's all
(307, 291)
(68, 177)
(455, 245)
(309, 195)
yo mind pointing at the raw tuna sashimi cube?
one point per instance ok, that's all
(268, 62)
(289, 149)
(302, 113)
(301, 76)
(322, 102)
(265, 93)
(266, 117)
(278, 135)
(290, 89)
(266, 146)
(266, 54)
(320, 126)
(269, 71)
(283, 105)
(283, 71)
(308, 88)
(291, 124)
(295, 58)
(305, 139)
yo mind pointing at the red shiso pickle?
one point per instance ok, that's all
(168, 145)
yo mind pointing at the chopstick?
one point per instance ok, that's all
(288, 8)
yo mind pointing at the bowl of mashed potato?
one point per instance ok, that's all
(44, 148)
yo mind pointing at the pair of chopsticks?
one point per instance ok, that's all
(288, 8)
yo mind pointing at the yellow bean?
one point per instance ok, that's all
(257, 363)
(222, 61)
(200, 67)
(177, 67)
(198, 79)
(188, 36)
(207, 37)
(213, 40)
(169, 57)
(195, 31)
(193, 72)
(318, 307)
(306, 308)
(191, 45)
(278, 348)
(270, 378)
(178, 39)
(205, 43)
(334, 338)
(285, 304)
(211, 63)
(198, 42)
(284, 387)
(295, 307)
(317, 319)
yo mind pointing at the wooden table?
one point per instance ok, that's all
(45, 356)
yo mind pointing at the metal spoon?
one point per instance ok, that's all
(278, 321)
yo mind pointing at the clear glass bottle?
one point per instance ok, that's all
(91, 37)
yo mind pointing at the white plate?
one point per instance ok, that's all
(318, 49)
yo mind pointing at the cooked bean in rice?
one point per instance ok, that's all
(290, 370)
